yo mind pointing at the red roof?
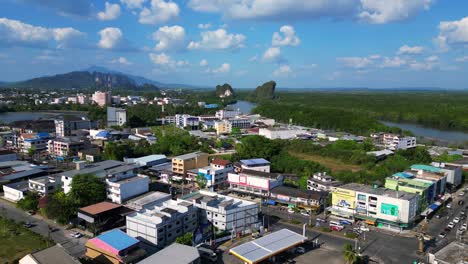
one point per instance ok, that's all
(220, 162)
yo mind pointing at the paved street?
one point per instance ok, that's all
(73, 245)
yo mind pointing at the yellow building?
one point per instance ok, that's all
(223, 127)
(181, 164)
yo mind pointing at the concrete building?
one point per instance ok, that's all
(241, 123)
(293, 197)
(123, 183)
(82, 99)
(395, 142)
(102, 98)
(17, 170)
(322, 182)
(454, 173)
(181, 164)
(64, 127)
(147, 200)
(215, 174)
(454, 253)
(254, 164)
(7, 155)
(37, 141)
(116, 116)
(222, 127)
(65, 147)
(408, 183)
(15, 191)
(256, 183)
(54, 254)
(45, 185)
(174, 254)
(102, 216)
(393, 210)
(224, 212)
(184, 121)
(163, 223)
(433, 174)
(226, 114)
(280, 132)
(148, 161)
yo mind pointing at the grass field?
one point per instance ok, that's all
(331, 163)
(17, 241)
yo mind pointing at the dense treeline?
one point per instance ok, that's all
(359, 111)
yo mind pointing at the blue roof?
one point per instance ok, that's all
(103, 134)
(43, 135)
(251, 162)
(434, 206)
(404, 175)
(425, 168)
(118, 239)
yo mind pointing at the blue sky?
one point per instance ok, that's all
(298, 43)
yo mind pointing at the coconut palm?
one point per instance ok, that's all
(350, 255)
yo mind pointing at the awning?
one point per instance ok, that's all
(369, 219)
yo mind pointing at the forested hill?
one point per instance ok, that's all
(359, 112)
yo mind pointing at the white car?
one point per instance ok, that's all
(364, 228)
(461, 194)
(450, 225)
(449, 205)
(76, 234)
(456, 220)
(463, 227)
(290, 210)
(305, 213)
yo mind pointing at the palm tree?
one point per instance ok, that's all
(350, 255)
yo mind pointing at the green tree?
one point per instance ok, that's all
(201, 181)
(29, 202)
(31, 151)
(87, 189)
(186, 239)
(350, 255)
(60, 207)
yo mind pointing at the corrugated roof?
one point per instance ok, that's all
(116, 239)
(251, 162)
(220, 162)
(425, 168)
(99, 207)
(174, 254)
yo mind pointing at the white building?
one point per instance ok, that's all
(147, 200)
(255, 164)
(280, 133)
(242, 123)
(116, 116)
(45, 185)
(15, 191)
(224, 212)
(102, 98)
(65, 126)
(321, 182)
(254, 182)
(226, 114)
(123, 183)
(394, 142)
(216, 173)
(454, 173)
(64, 147)
(163, 223)
(183, 121)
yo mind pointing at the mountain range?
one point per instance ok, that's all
(93, 77)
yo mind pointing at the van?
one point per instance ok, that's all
(334, 225)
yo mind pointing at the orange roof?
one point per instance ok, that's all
(28, 136)
(98, 208)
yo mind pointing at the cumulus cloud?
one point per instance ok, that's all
(384, 11)
(165, 61)
(429, 63)
(407, 50)
(15, 32)
(272, 54)
(82, 8)
(394, 62)
(204, 26)
(218, 40)
(111, 38)
(283, 71)
(462, 59)
(356, 62)
(224, 68)
(286, 37)
(169, 38)
(111, 12)
(452, 33)
(132, 4)
(203, 63)
(160, 11)
(121, 60)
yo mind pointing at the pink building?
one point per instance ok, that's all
(102, 98)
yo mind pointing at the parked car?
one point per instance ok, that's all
(450, 225)
(427, 237)
(364, 228)
(336, 228)
(461, 194)
(449, 205)
(460, 232)
(345, 222)
(447, 229)
(321, 220)
(31, 212)
(300, 250)
(290, 210)
(461, 202)
(28, 225)
(442, 235)
(456, 220)
(463, 227)
(305, 213)
(76, 234)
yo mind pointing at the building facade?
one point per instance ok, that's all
(181, 164)
(116, 116)
(322, 182)
(102, 98)
(255, 183)
(123, 183)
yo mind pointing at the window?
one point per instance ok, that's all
(178, 231)
(216, 215)
(178, 223)
(169, 235)
(160, 230)
(169, 226)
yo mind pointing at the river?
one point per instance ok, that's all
(243, 106)
(9, 117)
(418, 130)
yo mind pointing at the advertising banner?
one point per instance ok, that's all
(389, 209)
(343, 198)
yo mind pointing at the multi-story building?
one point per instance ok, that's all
(45, 185)
(102, 98)
(454, 174)
(123, 183)
(406, 182)
(222, 127)
(37, 141)
(394, 142)
(65, 126)
(242, 123)
(294, 197)
(433, 174)
(64, 147)
(216, 173)
(116, 116)
(82, 99)
(205, 118)
(393, 210)
(181, 164)
(280, 133)
(184, 121)
(163, 223)
(256, 183)
(254, 164)
(33, 126)
(224, 212)
(322, 182)
(226, 114)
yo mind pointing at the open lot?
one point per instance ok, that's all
(333, 164)
(16, 241)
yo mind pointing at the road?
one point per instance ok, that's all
(74, 246)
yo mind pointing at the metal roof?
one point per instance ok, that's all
(267, 246)
(116, 239)
(252, 162)
(174, 254)
(425, 168)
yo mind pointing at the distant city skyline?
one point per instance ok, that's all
(297, 43)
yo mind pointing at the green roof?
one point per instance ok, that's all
(425, 168)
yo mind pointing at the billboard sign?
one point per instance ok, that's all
(343, 198)
(389, 209)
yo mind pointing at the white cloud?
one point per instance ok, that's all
(19, 33)
(384, 11)
(204, 26)
(203, 63)
(165, 61)
(111, 38)
(253, 58)
(394, 62)
(159, 12)
(218, 40)
(169, 38)
(121, 60)
(405, 49)
(272, 54)
(462, 59)
(356, 62)
(132, 4)
(452, 33)
(111, 12)
(282, 71)
(224, 68)
(429, 63)
(286, 37)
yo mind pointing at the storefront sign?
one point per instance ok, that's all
(389, 209)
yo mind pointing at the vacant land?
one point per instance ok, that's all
(331, 163)
(17, 241)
